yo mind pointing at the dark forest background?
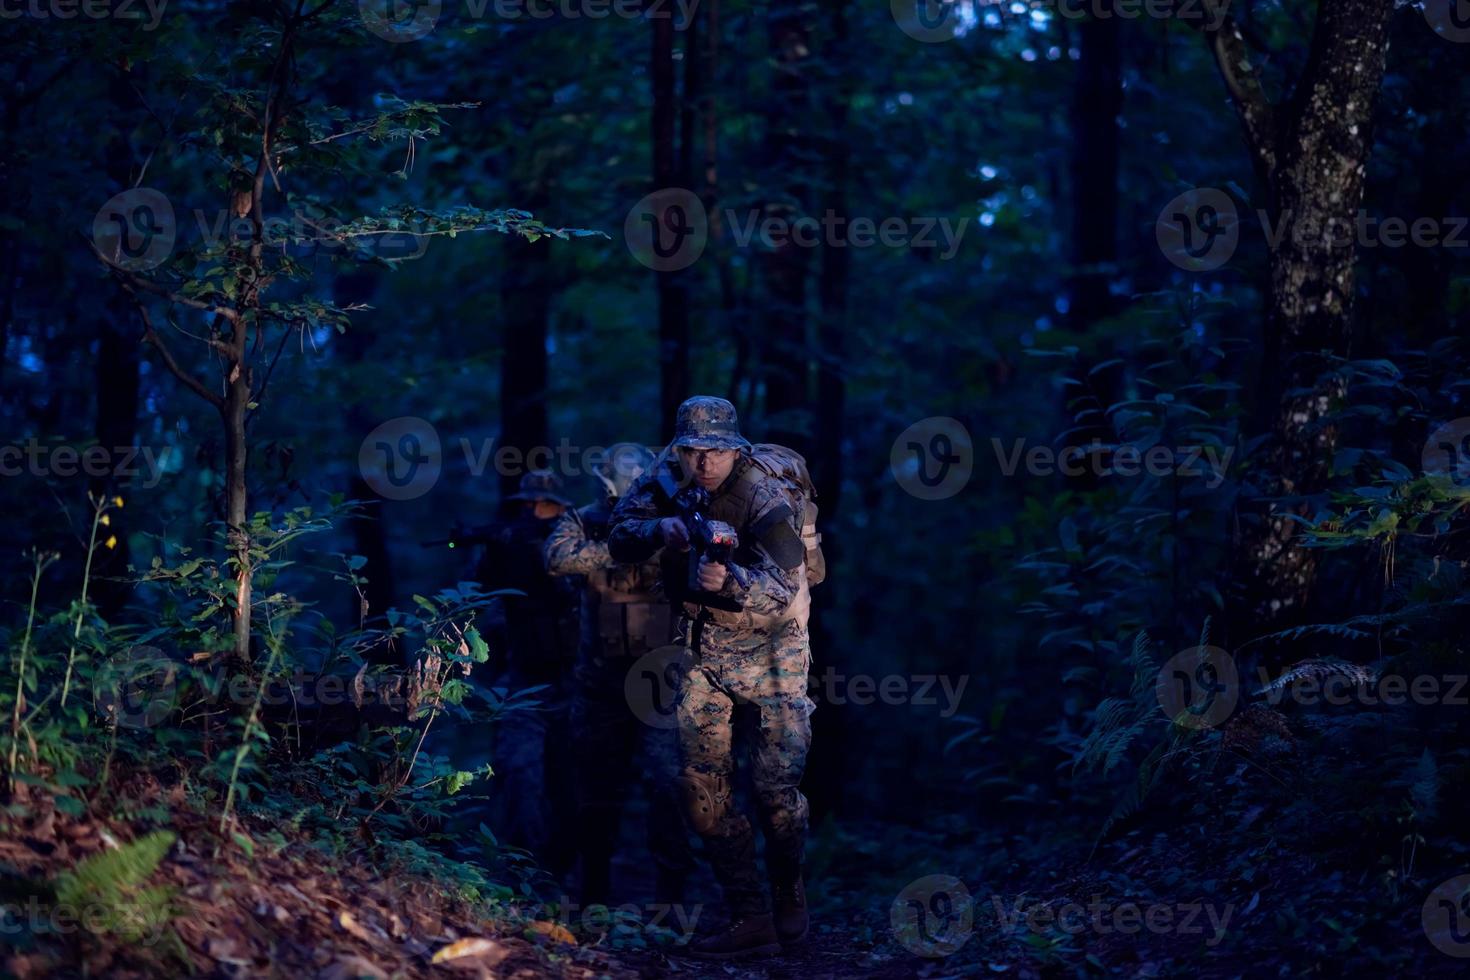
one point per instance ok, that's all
(450, 245)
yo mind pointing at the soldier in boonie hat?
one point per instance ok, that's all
(541, 485)
(707, 422)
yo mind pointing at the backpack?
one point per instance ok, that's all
(789, 469)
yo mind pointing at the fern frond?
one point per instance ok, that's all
(1319, 671)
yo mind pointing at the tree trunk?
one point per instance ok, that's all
(827, 766)
(237, 511)
(783, 265)
(1096, 101)
(369, 533)
(526, 288)
(117, 393)
(1311, 152)
(673, 296)
(116, 426)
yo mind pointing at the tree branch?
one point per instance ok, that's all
(152, 336)
(1258, 115)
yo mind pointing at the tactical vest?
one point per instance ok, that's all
(629, 615)
(733, 506)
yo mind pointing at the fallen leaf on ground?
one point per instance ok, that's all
(553, 931)
(473, 946)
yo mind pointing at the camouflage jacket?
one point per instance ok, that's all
(765, 575)
(623, 611)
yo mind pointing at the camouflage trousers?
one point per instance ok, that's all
(748, 687)
(613, 751)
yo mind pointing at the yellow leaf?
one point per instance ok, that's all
(117, 501)
(553, 931)
(104, 520)
(473, 946)
(111, 541)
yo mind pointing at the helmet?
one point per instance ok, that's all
(541, 485)
(623, 464)
(706, 422)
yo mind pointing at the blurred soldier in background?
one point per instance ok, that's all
(534, 639)
(623, 618)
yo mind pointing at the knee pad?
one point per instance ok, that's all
(706, 798)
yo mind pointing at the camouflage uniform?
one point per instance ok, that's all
(751, 657)
(623, 618)
(533, 787)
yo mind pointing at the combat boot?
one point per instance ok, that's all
(789, 900)
(745, 937)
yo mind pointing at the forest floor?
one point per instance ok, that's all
(1175, 895)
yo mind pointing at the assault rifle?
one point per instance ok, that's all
(710, 539)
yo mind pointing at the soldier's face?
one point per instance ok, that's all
(709, 467)
(546, 509)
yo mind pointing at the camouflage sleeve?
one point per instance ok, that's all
(764, 587)
(569, 551)
(633, 537)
